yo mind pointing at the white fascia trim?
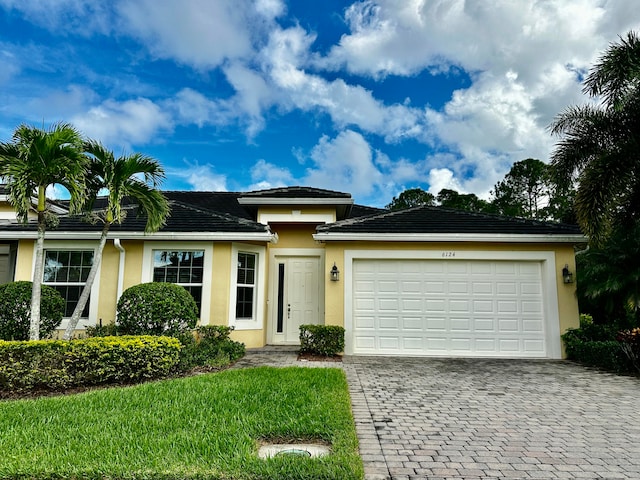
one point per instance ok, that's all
(207, 271)
(449, 237)
(549, 282)
(257, 322)
(181, 236)
(296, 201)
(296, 217)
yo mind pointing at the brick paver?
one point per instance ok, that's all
(436, 418)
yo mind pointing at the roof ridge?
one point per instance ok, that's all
(353, 221)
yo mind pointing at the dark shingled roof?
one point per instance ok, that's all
(427, 219)
(295, 192)
(221, 212)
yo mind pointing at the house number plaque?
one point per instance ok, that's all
(448, 254)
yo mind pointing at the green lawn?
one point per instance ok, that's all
(205, 426)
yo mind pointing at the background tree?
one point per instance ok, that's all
(609, 279)
(136, 177)
(599, 145)
(412, 197)
(34, 160)
(525, 190)
(463, 201)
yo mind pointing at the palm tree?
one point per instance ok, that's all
(34, 160)
(600, 144)
(135, 176)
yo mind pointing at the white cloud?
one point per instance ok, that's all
(347, 105)
(199, 177)
(267, 175)
(77, 17)
(344, 163)
(124, 123)
(200, 33)
(525, 60)
(61, 104)
(440, 178)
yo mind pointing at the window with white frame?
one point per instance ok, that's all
(247, 286)
(183, 267)
(67, 272)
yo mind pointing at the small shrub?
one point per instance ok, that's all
(58, 365)
(326, 340)
(156, 309)
(108, 330)
(15, 310)
(630, 345)
(209, 346)
(596, 346)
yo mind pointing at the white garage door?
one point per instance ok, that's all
(448, 307)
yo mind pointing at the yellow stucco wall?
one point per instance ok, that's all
(294, 235)
(107, 299)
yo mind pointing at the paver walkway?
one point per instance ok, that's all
(428, 418)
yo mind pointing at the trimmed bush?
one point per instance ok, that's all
(156, 308)
(326, 340)
(595, 345)
(58, 365)
(15, 310)
(107, 330)
(209, 346)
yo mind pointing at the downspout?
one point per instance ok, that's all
(120, 248)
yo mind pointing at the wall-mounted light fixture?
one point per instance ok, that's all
(334, 275)
(567, 276)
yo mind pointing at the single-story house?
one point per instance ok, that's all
(420, 281)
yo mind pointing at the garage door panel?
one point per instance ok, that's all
(482, 288)
(484, 325)
(504, 288)
(483, 306)
(436, 324)
(448, 307)
(531, 307)
(436, 287)
(412, 323)
(507, 306)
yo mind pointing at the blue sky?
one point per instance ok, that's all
(367, 97)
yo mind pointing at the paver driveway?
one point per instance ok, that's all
(471, 418)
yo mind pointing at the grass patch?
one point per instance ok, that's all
(207, 426)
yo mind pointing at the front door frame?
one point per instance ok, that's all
(286, 253)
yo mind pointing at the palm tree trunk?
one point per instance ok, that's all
(36, 289)
(86, 291)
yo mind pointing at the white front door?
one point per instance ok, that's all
(297, 297)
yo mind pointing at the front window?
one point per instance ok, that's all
(183, 267)
(67, 272)
(245, 281)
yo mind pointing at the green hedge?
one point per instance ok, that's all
(58, 365)
(596, 346)
(209, 346)
(327, 340)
